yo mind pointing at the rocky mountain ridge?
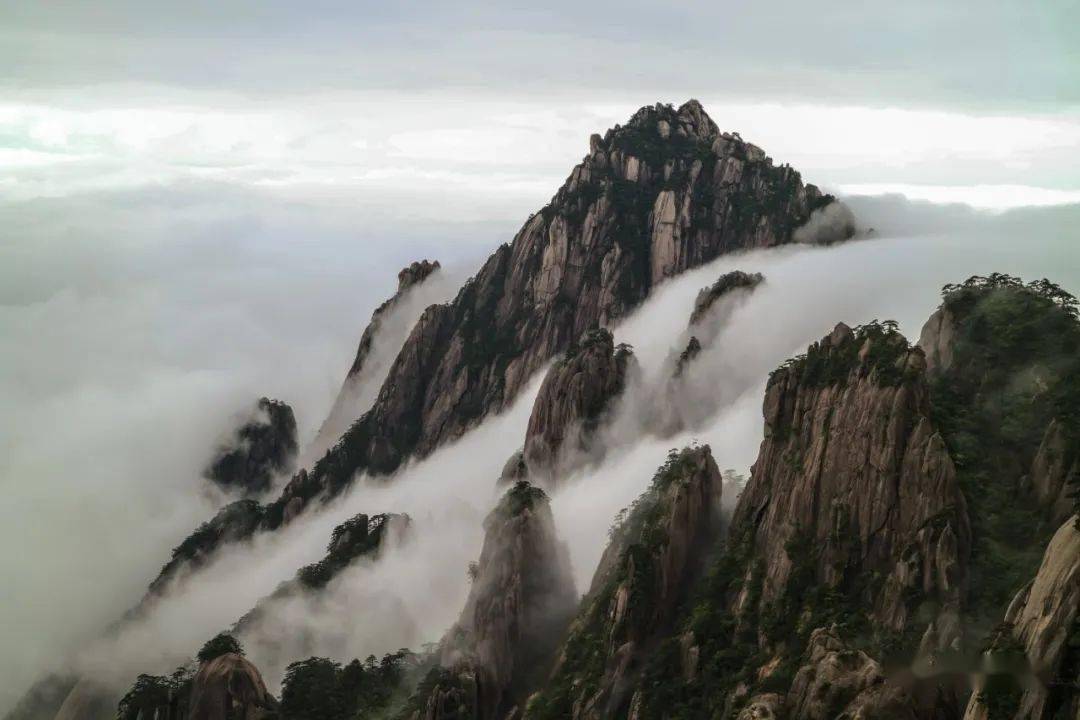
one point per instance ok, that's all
(846, 583)
(347, 407)
(906, 545)
(663, 194)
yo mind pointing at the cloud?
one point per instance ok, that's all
(135, 325)
(413, 594)
(471, 156)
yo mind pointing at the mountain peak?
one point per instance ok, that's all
(689, 120)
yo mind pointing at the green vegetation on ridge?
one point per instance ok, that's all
(1015, 368)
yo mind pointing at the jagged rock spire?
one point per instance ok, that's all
(521, 599)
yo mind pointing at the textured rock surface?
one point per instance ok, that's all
(230, 688)
(838, 681)
(644, 205)
(640, 579)
(1045, 620)
(260, 449)
(1054, 471)
(521, 599)
(936, 340)
(766, 706)
(852, 467)
(572, 400)
(728, 283)
(345, 410)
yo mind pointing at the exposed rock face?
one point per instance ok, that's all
(838, 681)
(235, 521)
(574, 396)
(259, 450)
(647, 203)
(766, 706)
(229, 687)
(728, 283)
(521, 599)
(1054, 472)
(640, 579)
(852, 480)
(454, 697)
(346, 408)
(1044, 620)
(936, 340)
(1005, 396)
(852, 527)
(414, 274)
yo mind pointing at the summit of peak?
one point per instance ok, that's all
(688, 120)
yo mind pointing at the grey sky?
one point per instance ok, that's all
(1001, 55)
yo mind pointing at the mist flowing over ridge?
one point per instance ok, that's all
(659, 211)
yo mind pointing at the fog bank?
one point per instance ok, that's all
(194, 343)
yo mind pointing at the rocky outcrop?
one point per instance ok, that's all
(936, 340)
(838, 681)
(849, 542)
(410, 276)
(576, 393)
(521, 599)
(766, 706)
(261, 449)
(236, 521)
(725, 285)
(358, 537)
(687, 398)
(1055, 471)
(348, 406)
(655, 550)
(692, 350)
(852, 481)
(1043, 623)
(663, 194)
(229, 687)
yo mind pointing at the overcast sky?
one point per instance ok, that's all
(479, 109)
(202, 202)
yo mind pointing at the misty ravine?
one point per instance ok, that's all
(700, 440)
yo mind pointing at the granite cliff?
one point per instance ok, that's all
(521, 599)
(349, 404)
(665, 193)
(260, 449)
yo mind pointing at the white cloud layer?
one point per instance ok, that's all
(471, 156)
